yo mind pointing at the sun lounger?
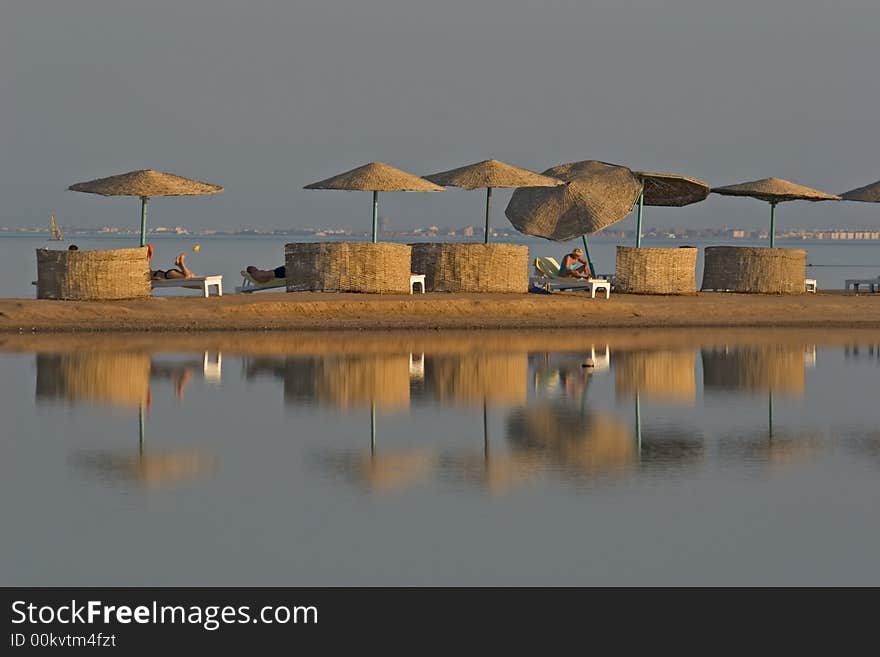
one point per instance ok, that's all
(548, 278)
(249, 284)
(854, 283)
(203, 283)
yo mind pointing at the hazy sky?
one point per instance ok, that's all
(265, 96)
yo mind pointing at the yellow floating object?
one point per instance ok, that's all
(196, 248)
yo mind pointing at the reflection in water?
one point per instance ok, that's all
(667, 447)
(586, 443)
(667, 375)
(777, 368)
(474, 378)
(152, 470)
(344, 381)
(607, 457)
(391, 381)
(778, 449)
(117, 378)
(382, 471)
(558, 429)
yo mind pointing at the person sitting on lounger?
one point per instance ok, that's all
(181, 271)
(266, 275)
(574, 265)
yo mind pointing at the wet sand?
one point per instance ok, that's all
(301, 311)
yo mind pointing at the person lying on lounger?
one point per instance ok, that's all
(266, 275)
(181, 271)
(574, 265)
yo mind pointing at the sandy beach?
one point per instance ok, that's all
(303, 311)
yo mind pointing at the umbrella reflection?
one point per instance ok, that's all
(382, 469)
(583, 443)
(777, 370)
(781, 448)
(492, 471)
(151, 470)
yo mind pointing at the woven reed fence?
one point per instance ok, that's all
(116, 378)
(754, 269)
(667, 375)
(757, 369)
(589, 443)
(348, 267)
(471, 379)
(348, 381)
(93, 275)
(455, 267)
(656, 271)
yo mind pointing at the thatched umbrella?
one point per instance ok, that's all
(667, 190)
(773, 191)
(376, 177)
(867, 194)
(596, 195)
(146, 183)
(489, 174)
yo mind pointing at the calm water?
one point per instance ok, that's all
(830, 264)
(494, 458)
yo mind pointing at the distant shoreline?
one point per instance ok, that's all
(574, 312)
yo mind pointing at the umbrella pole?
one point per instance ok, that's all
(589, 259)
(372, 430)
(488, 210)
(143, 220)
(141, 430)
(485, 435)
(375, 216)
(639, 219)
(772, 225)
(638, 426)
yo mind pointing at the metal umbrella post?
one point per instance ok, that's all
(639, 219)
(488, 211)
(589, 258)
(772, 224)
(375, 216)
(143, 220)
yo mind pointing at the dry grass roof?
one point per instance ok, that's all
(672, 189)
(595, 195)
(146, 183)
(867, 194)
(775, 190)
(492, 173)
(377, 177)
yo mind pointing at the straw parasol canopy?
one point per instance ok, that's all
(867, 194)
(667, 189)
(595, 195)
(376, 177)
(773, 191)
(671, 189)
(489, 174)
(146, 183)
